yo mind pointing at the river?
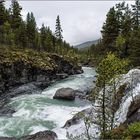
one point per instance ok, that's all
(39, 112)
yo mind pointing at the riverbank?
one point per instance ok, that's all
(25, 71)
(21, 66)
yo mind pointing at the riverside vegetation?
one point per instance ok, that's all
(27, 54)
(114, 55)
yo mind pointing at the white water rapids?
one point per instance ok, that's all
(38, 112)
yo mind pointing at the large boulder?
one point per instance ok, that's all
(65, 93)
(45, 135)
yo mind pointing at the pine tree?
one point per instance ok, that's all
(124, 17)
(2, 13)
(21, 35)
(37, 40)
(31, 29)
(58, 29)
(43, 36)
(2, 20)
(8, 36)
(126, 29)
(110, 30)
(108, 70)
(120, 7)
(54, 42)
(135, 47)
(49, 42)
(136, 14)
(16, 18)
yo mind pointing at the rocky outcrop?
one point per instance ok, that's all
(29, 72)
(65, 93)
(87, 62)
(21, 71)
(133, 113)
(128, 107)
(45, 135)
(117, 97)
(78, 116)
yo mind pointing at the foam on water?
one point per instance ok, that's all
(38, 112)
(77, 82)
(36, 129)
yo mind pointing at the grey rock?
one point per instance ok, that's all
(77, 117)
(65, 93)
(133, 113)
(45, 135)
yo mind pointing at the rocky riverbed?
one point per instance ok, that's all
(29, 110)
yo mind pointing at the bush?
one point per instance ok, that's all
(133, 131)
(116, 133)
(125, 132)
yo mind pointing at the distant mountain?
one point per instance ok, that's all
(86, 44)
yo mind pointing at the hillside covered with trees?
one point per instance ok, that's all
(27, 51)
(120, 34)
(14, 31)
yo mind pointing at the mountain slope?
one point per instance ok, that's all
(86, 44)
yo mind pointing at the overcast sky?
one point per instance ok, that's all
(80, 20)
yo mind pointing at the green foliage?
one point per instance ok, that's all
(134, 51)
(133, 130)
(25, 34)
(21, 35)
(15, 14)
(32, 58)
(109, 68)
(120, 40)
(110, 30)
(116, 133)
(136, 14)
(8, 35)
(126, 132)
(31, 30)
(2, 13)
(119, 34)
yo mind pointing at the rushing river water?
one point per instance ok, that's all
(38, 112)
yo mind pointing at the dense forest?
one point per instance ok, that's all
(120, 34)
(14, 31)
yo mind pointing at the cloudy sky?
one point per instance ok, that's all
(80, 20)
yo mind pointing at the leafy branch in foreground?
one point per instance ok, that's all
(108, 71)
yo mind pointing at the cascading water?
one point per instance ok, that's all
(38, 112)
